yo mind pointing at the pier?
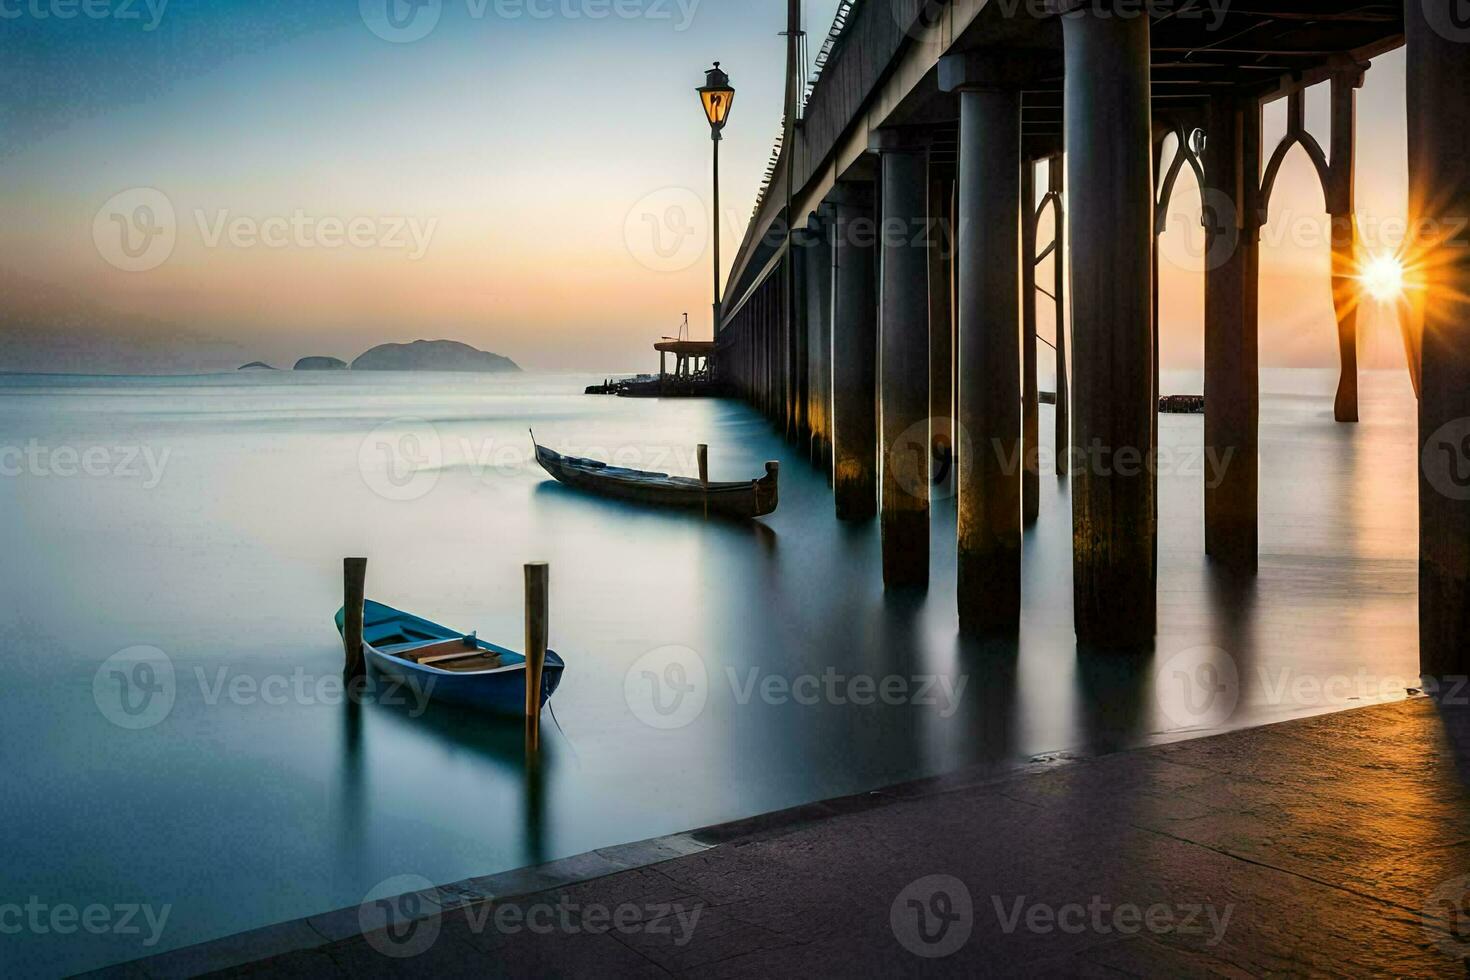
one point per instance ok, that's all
(908, 168)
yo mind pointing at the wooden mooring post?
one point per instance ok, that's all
(538, 575)
(702, 452)
(354, 585)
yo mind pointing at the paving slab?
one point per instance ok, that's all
(1337, 845)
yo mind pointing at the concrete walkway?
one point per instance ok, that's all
(1336, 845)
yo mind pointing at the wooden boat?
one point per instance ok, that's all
(743, 500)
(447, 665)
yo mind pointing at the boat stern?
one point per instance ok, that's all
(766, 496)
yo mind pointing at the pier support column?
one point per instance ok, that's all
(1030, 397)
(854, 353)
(1346, 288)
(819, 342)
(1110, 178)
(989, 360)
(903, 330)
(941, 324)
(1438, 90)
(1232, 374)
(791, 314)
(1054, 186)
(806, 244)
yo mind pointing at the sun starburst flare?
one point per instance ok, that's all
(1383, 278)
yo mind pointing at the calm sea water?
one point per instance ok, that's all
(715, 671)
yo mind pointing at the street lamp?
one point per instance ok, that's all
(716, 96)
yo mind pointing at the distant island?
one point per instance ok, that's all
(320, 364)
(421, 355)
(433, 355)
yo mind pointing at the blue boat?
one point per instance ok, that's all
(447, 665)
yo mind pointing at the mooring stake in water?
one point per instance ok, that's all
(354, 585)
(702, 452)
(538, 576)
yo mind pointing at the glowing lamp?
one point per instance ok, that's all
(716, 96)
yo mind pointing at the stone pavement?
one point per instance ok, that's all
(1335, 845)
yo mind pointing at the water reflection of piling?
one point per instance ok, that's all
(351, 802)
(534, 809)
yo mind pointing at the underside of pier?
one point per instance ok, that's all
(931, 168)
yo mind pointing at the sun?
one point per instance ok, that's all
(1383, 277)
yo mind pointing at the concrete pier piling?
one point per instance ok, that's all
(1030, 396)
(818, 273)
(989, 380)
(800, 426)
(916, 343)
(855, 357)
(1055, 173)
(1110, 181)
(1346, 289)
(941, 324)
(903, 327)
(1232, 241)
(1438, 90)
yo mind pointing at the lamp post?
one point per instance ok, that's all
(716, 96)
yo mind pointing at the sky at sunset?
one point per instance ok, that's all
(332, 189)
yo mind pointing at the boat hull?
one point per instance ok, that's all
(741, 501)
(501, 691)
